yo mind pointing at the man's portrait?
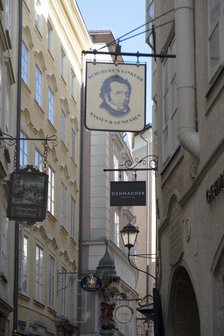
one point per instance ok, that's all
(115, 96)
(115, 93)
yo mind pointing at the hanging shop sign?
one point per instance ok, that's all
(91, 283)
(124, 314)
(215, 189)
(27, 199)
(115, 96)
(128, 193)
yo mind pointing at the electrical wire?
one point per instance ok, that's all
(120, 39)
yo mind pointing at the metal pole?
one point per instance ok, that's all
(95, 52)
(16, 245)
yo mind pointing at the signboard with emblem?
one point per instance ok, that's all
(91, 283)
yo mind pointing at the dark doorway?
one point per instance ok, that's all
(186, 319)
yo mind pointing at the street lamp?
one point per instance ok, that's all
(153, 311)
(129, 235)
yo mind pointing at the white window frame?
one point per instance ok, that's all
(63, 291)
(50, 105)
(39, 274)
(63, 205)
(50, 36)
(38, 15)
(116, 166)
(63, 126)
(24, 266)
(51, 282)
(117, 228)
(73, 85)
(38, 160)
(51, 191)
(73, 143)
(215, 35)
(72, 219)
(8, 14)
(63, 63)
(24, 63)
(24, 150)
(38, 86)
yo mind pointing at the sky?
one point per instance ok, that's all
(121, 17)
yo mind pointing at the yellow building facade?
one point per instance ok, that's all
(9, 16)
(53, 38)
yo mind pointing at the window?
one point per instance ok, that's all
(73, 144)
(39, 274)
(63, 126)
(117, 228)
(38, 15)
(116, 166)
(38, 86)
(63, 205)
(50, 106)
(51, 282)
(24, 268)
(23, 150)
(150, 17)
(169, 136)
(63, 290)
(50, 35)
(4, 246)
(73, 84)
(63, 63)
(38, 160)
(8, 14)
(51, 190)
(7, 105)
(72, 221)
(215, 35)
(24, 65)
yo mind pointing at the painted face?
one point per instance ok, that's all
(119, 96)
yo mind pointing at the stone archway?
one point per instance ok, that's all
(185, 315)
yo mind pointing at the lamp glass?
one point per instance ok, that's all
(129, 235)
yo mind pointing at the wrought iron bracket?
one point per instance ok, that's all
(150, 161)
(12, 141)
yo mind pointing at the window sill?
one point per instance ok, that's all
(64, 146)
(3, 277)
(63, 230)
(39, 106)
(51, 217)
(38, 303)
(215, 88)
(52, 310)
(24, 296)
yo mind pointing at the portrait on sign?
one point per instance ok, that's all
(115, 97)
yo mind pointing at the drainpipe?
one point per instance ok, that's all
(187, 132)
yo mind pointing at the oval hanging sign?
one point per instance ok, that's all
(91, 283)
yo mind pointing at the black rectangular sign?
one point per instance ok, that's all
(27, 196)
(128, 193)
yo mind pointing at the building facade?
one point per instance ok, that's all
(188, 125)
(102, 222)
(53, 36)
(146, 243)
(9, 32)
